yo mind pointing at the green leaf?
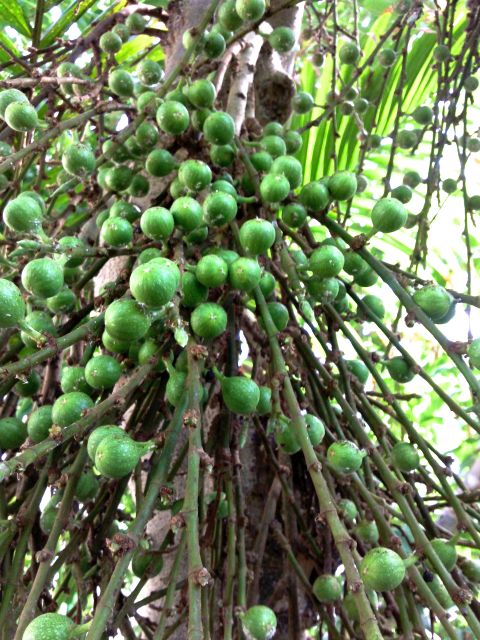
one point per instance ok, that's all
(11, 14)
(74, 12)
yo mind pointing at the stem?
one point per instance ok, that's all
(41, 577)
(158, 476)
(196, 571)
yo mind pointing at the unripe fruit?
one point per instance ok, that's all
(28, 387)
(434, 300)
(187, 213)
(224, 186)
(12, 306)
(146, 135)
(387, 57)
(125, 320)
(473, 352)
(285, 436)
(375, 305)
(228, 17)
(195, 174)
(274, 145)
(102, 372)
(323, 289)
(403, 193)
(63, 302)
(262, 161)
(259, 622)
(208, 320)
(367, 532)
(274, 188)
(250, 9)
(441, 53)
(73, 379)
(314, 196)
(347, 509)
(193, 292)
(70, 407)
(240, 394)
(99, 434)
(212, 271)
(110, 42)
(42, 277)
(120, 83)
(123, 209)
(146, 563)
(135, 23)
(159, 163)
(214, 44)
(87, 486)
(282, 39)
(302, 102)
(219, 208)
(326, 261)
(342, 185)
(423, 115)
(470, 569)
(327, 588)
(412, 179)
(114, 345)
(173, 117)
(358, 369)
(157, 223)
(388, 215)
(446, 552)
(406, 139)
(289, 167)
(122, 31)
(361, 105)
(117, 456)
(39, 423)
(39, 321)
(279, 314)
(149, 72)
(293, 142)
(222, 155)
(219, 128)
(139, 187)
(116, 232)
(264, 405)
(21, 116)
(154, 284)
(201, 94)
(399, 369)
(273, 129)
(244, 274)
(78, 160)
(23, 214)
(13, 433)
(8, 97)
(294, 215)
(344, 456)
(349, 53)
(49, 626)
(257, 236)
(175, 387)
(382, 569)
(471, 84)
(405, 456)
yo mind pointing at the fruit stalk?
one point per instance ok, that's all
(340, 535)
(158, 476)
(197, 576)
(48, 552)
